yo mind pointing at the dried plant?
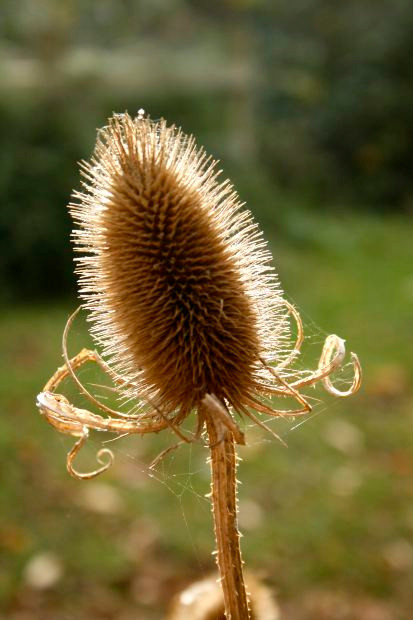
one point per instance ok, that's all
(187, 311)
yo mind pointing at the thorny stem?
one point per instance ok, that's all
(224, 488)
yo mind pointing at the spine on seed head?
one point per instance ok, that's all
(175, 273)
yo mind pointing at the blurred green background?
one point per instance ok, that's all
(309, 105)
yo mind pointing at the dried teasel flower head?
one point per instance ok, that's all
(187, 310)
(182, 296)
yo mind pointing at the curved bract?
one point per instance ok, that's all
(71, 420)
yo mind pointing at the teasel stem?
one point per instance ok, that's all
(223, 460)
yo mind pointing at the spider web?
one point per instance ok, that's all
(314, 337)
(183, 474)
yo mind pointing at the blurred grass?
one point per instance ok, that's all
(332, 513)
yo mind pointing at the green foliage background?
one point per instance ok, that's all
(307, 98)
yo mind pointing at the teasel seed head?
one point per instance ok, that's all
(175, 274)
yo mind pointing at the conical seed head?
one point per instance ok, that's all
(176, 276)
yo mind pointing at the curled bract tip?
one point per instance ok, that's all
(105, 457)
(332, 357)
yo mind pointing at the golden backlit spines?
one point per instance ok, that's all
(177, 278)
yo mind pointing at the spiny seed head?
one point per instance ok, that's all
(175, 274)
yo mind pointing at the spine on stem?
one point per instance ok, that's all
(224, 489)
